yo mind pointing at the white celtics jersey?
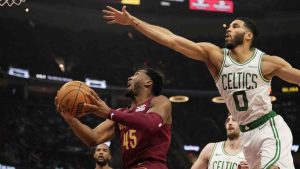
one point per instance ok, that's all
(243, 87)
(220, 159)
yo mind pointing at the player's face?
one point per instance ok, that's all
(102, 154)
(232, 128)
(235, 34)
(136, 82)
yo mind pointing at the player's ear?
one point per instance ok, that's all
(148, 83)
(249, 35)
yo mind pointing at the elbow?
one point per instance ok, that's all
(91, 140)
(171, 42)
(152, 129)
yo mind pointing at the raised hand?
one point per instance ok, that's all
(114, 16)
(98, 106)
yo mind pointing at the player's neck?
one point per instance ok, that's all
(241, 53)
(140, 99)
(233, 144)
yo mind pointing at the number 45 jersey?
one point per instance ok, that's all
(243, 87)
(142, 150)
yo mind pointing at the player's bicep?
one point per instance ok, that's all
(196, 51)
(162, 106)
(284, 70)
(105, 131)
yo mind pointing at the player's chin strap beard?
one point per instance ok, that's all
(233, 136)
(130, 94)
(102, 163)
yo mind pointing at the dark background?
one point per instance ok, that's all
(33, 135)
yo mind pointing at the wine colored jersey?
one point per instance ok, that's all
(141, 149)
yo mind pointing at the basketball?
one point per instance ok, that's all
(72, 96)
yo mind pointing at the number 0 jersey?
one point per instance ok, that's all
(243, 87)
(141, 149)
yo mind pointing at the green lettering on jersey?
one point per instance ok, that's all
(224, 165)
(239, 80)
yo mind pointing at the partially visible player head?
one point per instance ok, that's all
(102, 154)
(144, 78)
(232, 128)
(239, 31)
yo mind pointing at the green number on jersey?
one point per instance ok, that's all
(240, 106)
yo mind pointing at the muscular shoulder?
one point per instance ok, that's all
(210, 48)
(214, 57)
(209, 148)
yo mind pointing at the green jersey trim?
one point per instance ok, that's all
(229, 154)
(278, 146)
(247, 61)
(222, 66)
(212, 153)
(260, 71)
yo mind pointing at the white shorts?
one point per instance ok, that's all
(270, 144)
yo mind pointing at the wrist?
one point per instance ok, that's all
(110, 114)
(134, 21)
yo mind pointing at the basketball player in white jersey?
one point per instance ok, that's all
(243, 76)
(225, 154)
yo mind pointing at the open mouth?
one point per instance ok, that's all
(100, 158)
(227, 36)
(230, 128)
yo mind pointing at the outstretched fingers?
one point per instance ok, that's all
(106, 12)
(112, 22)
(112, 9)
(109, 17)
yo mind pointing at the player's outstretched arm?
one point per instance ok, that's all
(203, 159)
(276, 66)
(197, 51)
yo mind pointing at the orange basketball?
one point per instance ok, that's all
(72, 96)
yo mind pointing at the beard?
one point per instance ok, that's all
(102, 163)
(237, 40)
(132, 92)
(233, 136)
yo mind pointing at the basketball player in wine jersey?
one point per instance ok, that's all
(144, 126)
(243, 76)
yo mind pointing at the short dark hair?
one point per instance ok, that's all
(250, 24)
(157, 79)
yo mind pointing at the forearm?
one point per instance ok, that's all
(291, 75)
(84, 132)
(156, 33)
(149, 122)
